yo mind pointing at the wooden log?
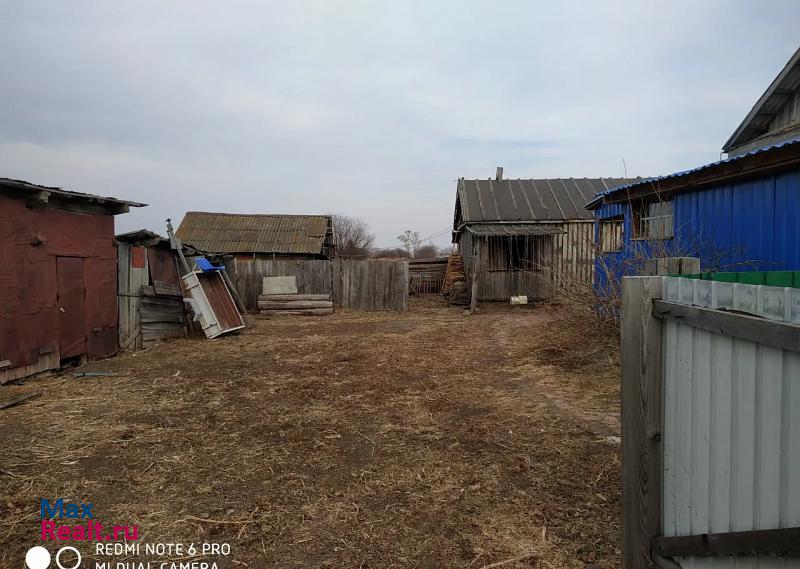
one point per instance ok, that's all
(307, 312)
(294, 304)
(287, 297)
(19, 399)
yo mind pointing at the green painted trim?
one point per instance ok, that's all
(789, 279)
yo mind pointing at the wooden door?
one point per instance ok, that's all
(71, 306)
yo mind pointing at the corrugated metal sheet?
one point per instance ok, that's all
(239, 233)
(731, 422)
(598, 199)
(557, 199)
(511, 229)
(747, 225)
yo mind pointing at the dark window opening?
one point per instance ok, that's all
(520, 253)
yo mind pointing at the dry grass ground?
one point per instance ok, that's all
(424, 439)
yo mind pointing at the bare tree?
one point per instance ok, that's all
(352, 236)
(410, 240)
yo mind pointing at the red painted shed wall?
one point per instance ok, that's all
(30, 316)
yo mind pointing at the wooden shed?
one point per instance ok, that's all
(525, 236)
(58, 277)
(150, 301)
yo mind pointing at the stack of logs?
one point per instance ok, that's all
(300, 304)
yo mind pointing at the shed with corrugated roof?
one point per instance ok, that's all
(525, 236)
(252, 236)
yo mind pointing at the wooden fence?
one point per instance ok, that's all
(368, 285)
(710, 424)
(313, 277)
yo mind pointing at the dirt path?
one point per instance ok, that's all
(425, 439)
(563, 390)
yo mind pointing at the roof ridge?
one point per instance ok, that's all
(260, 214)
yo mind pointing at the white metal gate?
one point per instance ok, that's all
(724, 444)
(731, 421)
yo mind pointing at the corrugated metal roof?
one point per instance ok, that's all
(511, 229)
(246, 233)
(22, 185)
(758, 120)
(597, 200)
(557, 199)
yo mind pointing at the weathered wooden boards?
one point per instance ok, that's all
(427, 275)
(284, 297)
(295, 304)
(371, 285)
(311, 276)
(642, 411)
(307, 312)
(353, 284)
(20, 398)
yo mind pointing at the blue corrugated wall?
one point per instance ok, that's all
(748, 225)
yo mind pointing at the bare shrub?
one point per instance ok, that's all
(425, 252)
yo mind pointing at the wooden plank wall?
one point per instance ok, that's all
(314, 276)
(370, 285)
(146, 313)
(129, 286)
(571, 260)
(573, 253)
(354, 284)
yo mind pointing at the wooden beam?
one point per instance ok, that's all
(476, 259)
(642, 411)
(753, 328)
(784, 542)
(18, 399)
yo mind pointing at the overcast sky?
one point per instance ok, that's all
(371, 109)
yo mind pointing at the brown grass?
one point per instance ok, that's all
(425, 439)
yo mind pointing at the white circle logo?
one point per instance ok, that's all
(37, 558)
(62, 550)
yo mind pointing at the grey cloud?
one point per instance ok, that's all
(372, 109)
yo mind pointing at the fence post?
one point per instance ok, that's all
(642, 412)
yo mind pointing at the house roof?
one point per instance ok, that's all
(248, 233)
(114, 205)
(759, 161)
(139, 235)
(556, 199)
(758, 120)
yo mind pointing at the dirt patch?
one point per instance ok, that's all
(420, 439)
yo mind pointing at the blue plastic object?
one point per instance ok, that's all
(205, 265)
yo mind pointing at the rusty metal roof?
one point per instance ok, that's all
(248, 233)
(512, 229)
(556, 199)
(21, 186)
